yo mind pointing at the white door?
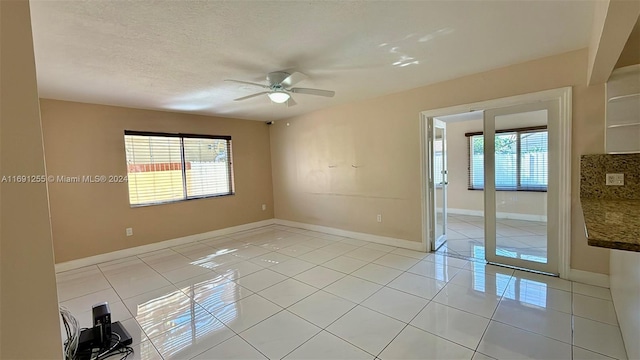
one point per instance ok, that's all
(437, 182)
(521, 149)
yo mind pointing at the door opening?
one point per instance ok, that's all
(504, 193)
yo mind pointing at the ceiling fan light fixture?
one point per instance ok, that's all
(279, 97)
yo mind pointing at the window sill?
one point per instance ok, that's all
(513, 190)
(179, 201)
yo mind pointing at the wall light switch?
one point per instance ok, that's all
(615, 179)
(129, 231)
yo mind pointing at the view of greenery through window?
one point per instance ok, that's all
(523, 170)
(164, 168)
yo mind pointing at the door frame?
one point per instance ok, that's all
(563, 96)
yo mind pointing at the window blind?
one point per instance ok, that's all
(208, 173)
(521, 159)
(172, 167)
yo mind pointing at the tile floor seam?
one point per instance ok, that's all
(343, 271)
(533, 332)
(596, 352)
(392, 340)
(132, 315)
(444, 338)
(276, 283)
(341, 316)
(243, 339)
(455, 308)
(176, 325)
(299, 346)
(389, 282)
(349, 342)
(525, 330)
(325, 285)
(289, 312)
(484, 333)
(389, 316)
(156, 271)
(598, 321)
(93, 292)
(590, 296)
(304, 342)
(268, 317)
(350, 310)
(316, 291)
(386, 251)
(451, 306)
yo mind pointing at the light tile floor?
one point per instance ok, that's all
(514, 238)
(280, 292)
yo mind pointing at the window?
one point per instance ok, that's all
(173, 167)
(521, 159)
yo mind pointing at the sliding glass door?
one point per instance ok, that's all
(520, 145)
(437, 218)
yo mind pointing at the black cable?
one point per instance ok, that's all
(125, 351)
(105, 353)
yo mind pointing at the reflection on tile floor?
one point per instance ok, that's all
(514, 238)
(280, 292)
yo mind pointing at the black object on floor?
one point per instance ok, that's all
(90, 344)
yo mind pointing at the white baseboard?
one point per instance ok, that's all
(97, 259)
(499, 215)
(406, 244)
(589, 278)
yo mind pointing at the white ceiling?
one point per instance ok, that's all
(174, 55)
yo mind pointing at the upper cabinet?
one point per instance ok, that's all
(623, 111)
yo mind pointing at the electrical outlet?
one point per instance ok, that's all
(379, 218)
(615, 179)
(129, 231)
(264, 207)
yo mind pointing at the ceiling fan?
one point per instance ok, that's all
(280, 87)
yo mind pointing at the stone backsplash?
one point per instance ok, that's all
(593, 170)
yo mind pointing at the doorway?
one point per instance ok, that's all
(520, 218)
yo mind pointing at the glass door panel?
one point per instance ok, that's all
(517, 152)
(438, 182)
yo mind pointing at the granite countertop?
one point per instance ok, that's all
(613, 224)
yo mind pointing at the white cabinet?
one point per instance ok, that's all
(623, 111)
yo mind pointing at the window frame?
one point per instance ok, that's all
(518, 132)
(182, 136)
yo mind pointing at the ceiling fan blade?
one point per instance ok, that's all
(293, 79)
(250, 96)
(291, 102)
(327, 93)
(247, 83)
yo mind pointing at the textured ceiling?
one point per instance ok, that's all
(174, 55)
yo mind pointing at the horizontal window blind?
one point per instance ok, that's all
(534, 160)
(172, 167)
(208, 173)
(521, 159)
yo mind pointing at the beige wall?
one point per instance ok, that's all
(458, 194)
(30, 324)
(90, 219)
(382, 137)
